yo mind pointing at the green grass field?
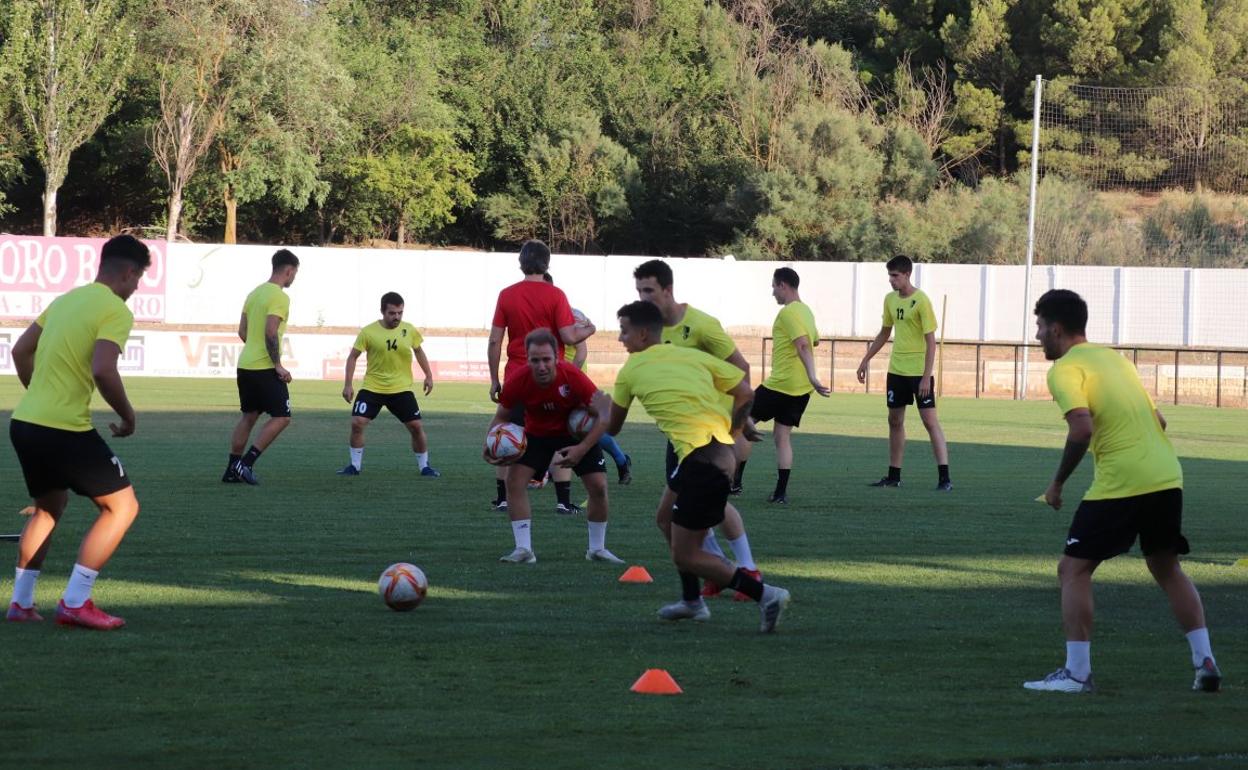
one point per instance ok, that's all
(255, 636)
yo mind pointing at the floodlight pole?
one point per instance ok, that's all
(1031, 229)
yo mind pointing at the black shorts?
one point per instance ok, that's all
(541, 451)
(54, 460)
(402, 405)
(1102, 529)
(783, 408)
(904, 391)
(701, 493)
(670, 461)
(261, 390)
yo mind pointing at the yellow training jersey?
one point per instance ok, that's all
(389, 354)
(683, 390)
(265, 300)
(699, 330)
(1133, 454)
(913, 320)
(788, 373)
(60, 389)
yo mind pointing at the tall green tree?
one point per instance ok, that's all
(68, 60)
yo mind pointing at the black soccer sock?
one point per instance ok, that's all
(252, 455)
(782, 481)
(943, 470)
(563, 492)
(234, 460)
(501, 487)
(747, 584)
(894, 473)
(690, 587)
(740, 474)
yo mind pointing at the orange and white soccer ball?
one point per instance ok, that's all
(402, 586)
(505, 441)
(580, 422)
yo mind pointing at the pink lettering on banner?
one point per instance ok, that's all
(32, 267)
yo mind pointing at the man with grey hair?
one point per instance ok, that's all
(528, 304)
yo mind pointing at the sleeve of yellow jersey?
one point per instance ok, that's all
(361, 341)
(791, 322)
(116, 327)
(888, 316)
(1066, 385)
(927, 315)
(417, 338)
(716, 341)
(726, 375)
(279, 305)
(621, 391)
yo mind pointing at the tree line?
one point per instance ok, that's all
(822, 129)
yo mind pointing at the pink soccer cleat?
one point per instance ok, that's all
(87, 616)
(20, 614)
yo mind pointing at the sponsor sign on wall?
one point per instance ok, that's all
(35, 270)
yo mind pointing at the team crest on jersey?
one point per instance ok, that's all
(912, 302)
(685, 331)
(565, 391)
(404, 332)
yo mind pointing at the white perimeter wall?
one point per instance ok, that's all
(206, 284)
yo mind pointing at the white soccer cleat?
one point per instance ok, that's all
(771, 607)
(683, 610)
(519, 556)
(602, 554)
(1060, 680)
(1208, 677)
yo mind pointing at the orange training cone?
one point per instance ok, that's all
(636, 575)
(656, 681)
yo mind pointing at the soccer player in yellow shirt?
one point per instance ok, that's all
(784, 395)
(686, 326)
(389, 345)
(261, 377)
(909, 311)
(68, 352)
(683, 390)
(1137, 489)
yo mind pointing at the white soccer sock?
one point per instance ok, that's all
(1199, 641)
(1079, 659)
(24, 588)
(357, 457)
(741, 550)
(523, 534)
(711, 545)
(597, 535)
(78, 591)
(422, 460)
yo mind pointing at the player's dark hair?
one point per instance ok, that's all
(534, 257)
(786, 275)
(657, 269)
(1065, 307)
(548, 278)
(125, 248)
(391, 298)
(900, 264)
(643, 314)
(541, 336)
(284, 257)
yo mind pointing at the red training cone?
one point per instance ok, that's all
(636, 575)
(656, 681)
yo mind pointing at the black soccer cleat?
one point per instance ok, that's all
(778, 499)
(944, 485)
(626, 471)
(245, 474)
(231, 476)
(886, 482)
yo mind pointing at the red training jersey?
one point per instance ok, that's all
(546, 409)
(525, 306)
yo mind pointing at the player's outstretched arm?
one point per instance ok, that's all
(108, 382)
(807, 357)
(348, 390)
(24, 353)
(872, 349)
(423, 361)
(738, 360)
(494, 354)
(1078, 438)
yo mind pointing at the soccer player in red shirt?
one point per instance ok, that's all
(548, 389)
(523, 307)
